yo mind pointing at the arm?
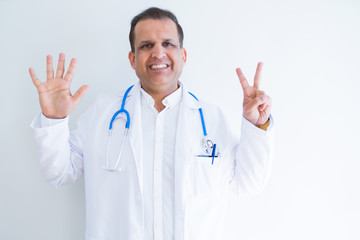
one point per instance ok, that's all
(60, 158)
(253, 157)
(253, 153)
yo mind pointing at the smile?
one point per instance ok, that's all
(159, 66)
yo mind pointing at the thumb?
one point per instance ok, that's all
(256, 102)
(80, 93)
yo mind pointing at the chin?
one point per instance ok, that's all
(160, 84)
(161, 81)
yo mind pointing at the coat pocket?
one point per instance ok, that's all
(205, 175)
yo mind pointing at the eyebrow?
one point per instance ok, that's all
(144, 42)
(148, 41)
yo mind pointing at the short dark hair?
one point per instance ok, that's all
(154, 13)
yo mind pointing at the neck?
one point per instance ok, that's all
(159, 94)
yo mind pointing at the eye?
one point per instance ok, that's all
(167, 44)
(148, 45)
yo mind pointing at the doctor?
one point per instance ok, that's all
(166, 184)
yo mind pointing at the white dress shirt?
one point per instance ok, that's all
(159, 133)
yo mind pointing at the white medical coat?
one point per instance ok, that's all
(114, 201)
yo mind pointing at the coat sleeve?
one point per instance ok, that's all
(61, 152)
(253, 156)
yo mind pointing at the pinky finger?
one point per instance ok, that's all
(34, 78)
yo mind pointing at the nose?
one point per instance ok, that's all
(158, 51)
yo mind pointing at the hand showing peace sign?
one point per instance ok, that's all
(256, 104)
(56, 100)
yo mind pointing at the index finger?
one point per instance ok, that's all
(257, 77)
(244, 83)
(71, 70)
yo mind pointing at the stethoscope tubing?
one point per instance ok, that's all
(122, 110)
(201, 116)
(206, 142)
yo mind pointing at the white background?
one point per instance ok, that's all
(310, 51)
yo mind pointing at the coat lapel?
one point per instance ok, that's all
(135, 132)
(185, 140)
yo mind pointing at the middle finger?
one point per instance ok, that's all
(257, 77)
(49, 67)
(61, 66)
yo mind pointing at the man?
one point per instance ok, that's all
(170, 177)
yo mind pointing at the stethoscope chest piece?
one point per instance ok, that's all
(206, 145)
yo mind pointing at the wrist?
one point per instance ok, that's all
(265, 125)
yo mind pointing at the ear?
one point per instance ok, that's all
(132, 59)
(184, 55)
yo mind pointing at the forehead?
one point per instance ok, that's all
(153, 29)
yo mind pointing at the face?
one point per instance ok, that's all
(158, 59)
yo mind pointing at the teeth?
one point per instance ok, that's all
(158, 66)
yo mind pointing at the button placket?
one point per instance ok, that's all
(158, 158)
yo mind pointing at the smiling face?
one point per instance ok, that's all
(157, 59)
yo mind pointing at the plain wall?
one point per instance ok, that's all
(310, 51)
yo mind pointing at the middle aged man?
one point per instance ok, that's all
(179, 160)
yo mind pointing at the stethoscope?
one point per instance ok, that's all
(206, 144)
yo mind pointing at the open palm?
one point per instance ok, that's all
(56, 100)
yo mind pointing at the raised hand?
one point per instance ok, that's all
(256, 104)
(55, 97)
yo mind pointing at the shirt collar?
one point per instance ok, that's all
(169, 102)
(146, 98)
(173, 99)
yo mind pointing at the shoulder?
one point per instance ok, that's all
(193, 100)
(103, 104)
(208, 108)
(109, 99)
(212, 114)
